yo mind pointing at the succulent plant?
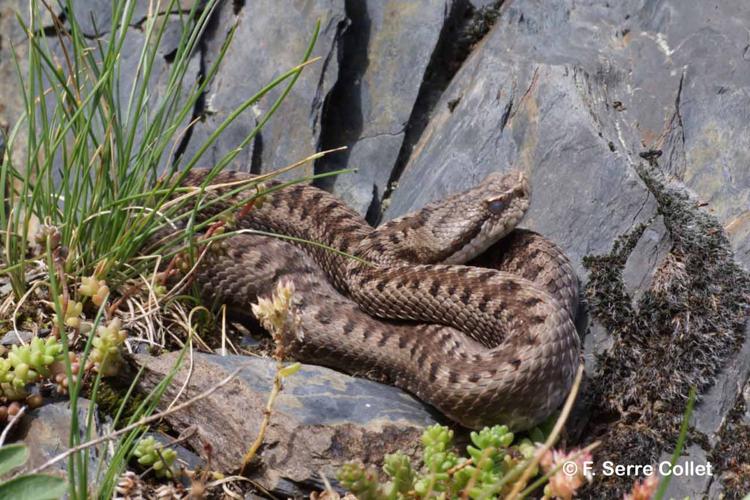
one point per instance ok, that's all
(94, 288)
(71, 313)
(105, 354)
(492, 454)
(26, 364)
(151, 453)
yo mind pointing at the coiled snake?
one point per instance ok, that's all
(485, 343)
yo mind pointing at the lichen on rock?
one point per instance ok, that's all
(680, 333)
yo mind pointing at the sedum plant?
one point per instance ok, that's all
(105, 354)
(445, 474)
(153, 454)
(27, 364)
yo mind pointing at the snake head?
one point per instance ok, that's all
(456, 229)
(487, 213)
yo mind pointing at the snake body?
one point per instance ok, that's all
(487, 342)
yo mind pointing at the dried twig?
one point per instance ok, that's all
(11, 423)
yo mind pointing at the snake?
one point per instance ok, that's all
(452, 303)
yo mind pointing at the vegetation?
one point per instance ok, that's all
(677, 335)
(154, 455)
(89, 182)
(36, 486)
(89, 186)
(490, 460)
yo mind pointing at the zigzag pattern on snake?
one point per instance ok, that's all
(489, 342)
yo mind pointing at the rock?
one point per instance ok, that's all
(16, 338)
(685, 484)
(45, 431)
(270, 38)
(131, 69)
(711, 416)
(718, 402)
(514, 111)
(484, 4)
(12, 43)
(159, 78)
(320, 420)
(384, 54)
(95, 16)
(646, 257)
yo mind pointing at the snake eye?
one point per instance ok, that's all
(496, 206)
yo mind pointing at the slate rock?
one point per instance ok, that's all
(514, 111)
(16, 338)
(132, 73)
(647, 255)
(95, 16)
(45, 431)
(271, 37)
(686, 485)
(12, 40)
(383, 57)
(320, 420)
(624, 71)
(716, 404)
(159, 78)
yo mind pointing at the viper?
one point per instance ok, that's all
(451, 303)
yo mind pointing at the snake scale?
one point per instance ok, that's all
(487, 342)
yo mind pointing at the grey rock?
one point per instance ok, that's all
(271, 38)
(595, 342)
(716, 489)
(480, 4)
(513, 111)
(683, 483)
(14, 338)
(132, 73)
(652, 247)
(159, 77)
(45, 431)
(12, 42)
(95, 16)
(320, 420)
(624, 71)
(383, 58)
(711, 414)
(696, 85)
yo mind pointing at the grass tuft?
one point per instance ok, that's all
(97, 183)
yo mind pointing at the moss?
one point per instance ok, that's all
(110, 396)
(478, 24)
(679, 334)
(731, 458)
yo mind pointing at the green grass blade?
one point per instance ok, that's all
(681, 440)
